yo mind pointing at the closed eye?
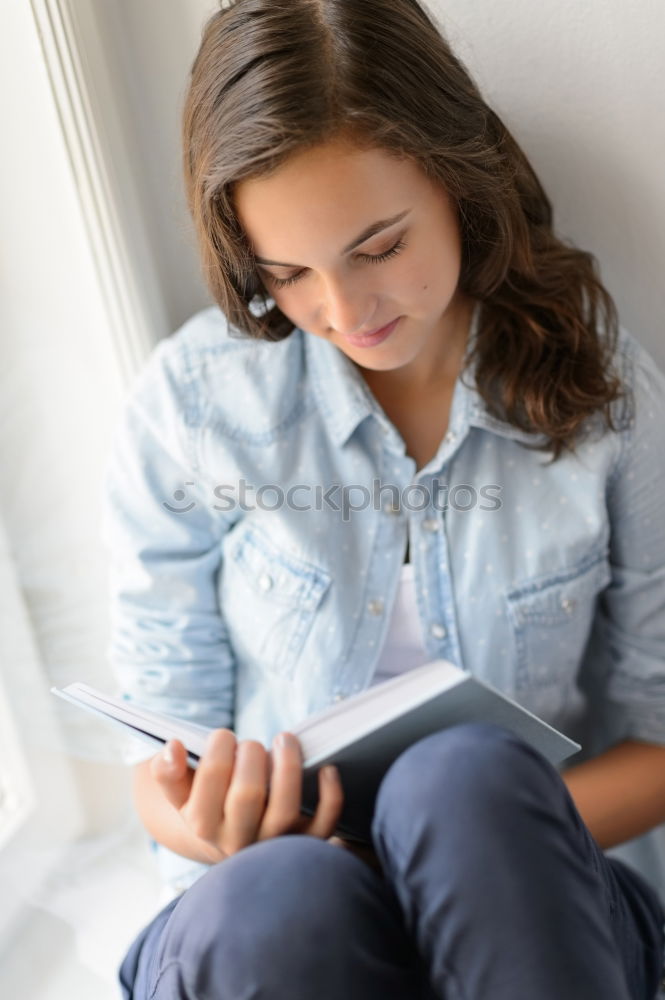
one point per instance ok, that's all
(369, 258)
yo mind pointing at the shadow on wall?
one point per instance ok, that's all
(604, 202)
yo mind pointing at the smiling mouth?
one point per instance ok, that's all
(377, 329)
(374, 337)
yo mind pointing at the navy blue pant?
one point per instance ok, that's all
(492, 889)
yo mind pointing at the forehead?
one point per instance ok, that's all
(329, 190)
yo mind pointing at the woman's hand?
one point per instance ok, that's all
(240, 793)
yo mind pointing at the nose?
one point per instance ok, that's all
(348, 307)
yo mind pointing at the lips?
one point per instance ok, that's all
(379, 329)
(374, 337)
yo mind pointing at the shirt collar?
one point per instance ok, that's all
(346, 400)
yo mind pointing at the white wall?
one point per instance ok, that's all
(581, 87)
(60, 381)
(60, 386)
(579, 84)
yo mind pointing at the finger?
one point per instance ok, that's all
(331, 801)
(285, 794)
(246, 798)
(169, 768)
(204, 809)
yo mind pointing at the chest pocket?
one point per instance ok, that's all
(551, 618)
(268, 598)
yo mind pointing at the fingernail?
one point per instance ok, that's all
(330, 772)
(282, 741)
(167, 755)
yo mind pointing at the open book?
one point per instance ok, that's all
(362, 735)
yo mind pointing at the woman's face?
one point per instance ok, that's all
(348, 241)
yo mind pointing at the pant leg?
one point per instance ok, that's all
(293, 917)
(136, 968)
(503, 888)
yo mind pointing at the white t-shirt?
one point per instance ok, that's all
(403, 648)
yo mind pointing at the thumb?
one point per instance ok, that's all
(170, 769)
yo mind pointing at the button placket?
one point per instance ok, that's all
(439, 619)
(431, 525)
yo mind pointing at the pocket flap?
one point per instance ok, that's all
(278, 575)
(557, 598)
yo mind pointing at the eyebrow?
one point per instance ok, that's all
(371, 230)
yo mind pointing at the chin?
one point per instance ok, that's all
(378, 364)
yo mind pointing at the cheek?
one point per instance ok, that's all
(296, 300)
(440, 272)
(285, 298)
(295, 305)
(430, 284)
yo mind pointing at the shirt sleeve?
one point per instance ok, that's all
(169, 647)
(632, 608)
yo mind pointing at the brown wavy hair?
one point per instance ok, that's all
(274, 77)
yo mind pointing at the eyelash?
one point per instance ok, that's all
(368, 257)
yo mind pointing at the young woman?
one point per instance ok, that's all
(410, 428)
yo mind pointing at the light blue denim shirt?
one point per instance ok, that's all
(256, 509)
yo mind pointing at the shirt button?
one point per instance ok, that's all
(265, 581)
(438, 631)
(430, 524)
(450, 437)
(375, 607)
(339, 697)
(568, 605)
(391, 508)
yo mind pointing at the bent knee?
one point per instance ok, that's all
(275, 919)
(473, 765)
(285, 879)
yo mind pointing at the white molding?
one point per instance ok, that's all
(73, 53)
(42, 813)
(17, 792)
